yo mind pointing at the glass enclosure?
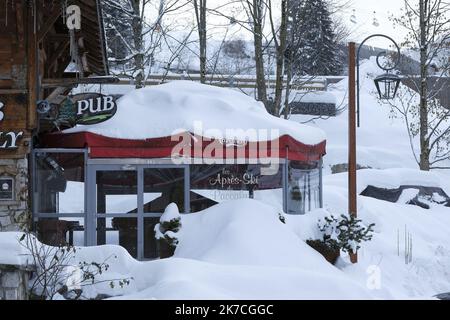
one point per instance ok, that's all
(79, 201)
(59, 196)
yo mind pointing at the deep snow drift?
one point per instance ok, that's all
(235, 250)
(180, 106)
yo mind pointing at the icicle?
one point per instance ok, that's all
(353, 17)
(375, 20)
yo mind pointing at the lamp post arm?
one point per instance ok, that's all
(378, 63)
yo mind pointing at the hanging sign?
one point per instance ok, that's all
(8, 139)
(87, 108)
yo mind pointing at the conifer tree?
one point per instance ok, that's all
(312, 44)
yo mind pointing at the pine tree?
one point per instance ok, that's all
(312, 45)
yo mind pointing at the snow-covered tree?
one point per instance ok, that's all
(428, 26)
(117, 23)
(166, 230)
(137, 25)
(312, 45)
(346, 232)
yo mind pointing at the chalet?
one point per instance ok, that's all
(47, 47)
(83, 169)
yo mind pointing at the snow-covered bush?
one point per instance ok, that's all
(166, 230)
(57, 276)
(346, 232)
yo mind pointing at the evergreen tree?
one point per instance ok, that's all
(312, 46)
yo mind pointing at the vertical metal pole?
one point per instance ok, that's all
(140, 211)
(187, 189)
(321, 182)
(86, 195)
(91, 214)
(352, 205)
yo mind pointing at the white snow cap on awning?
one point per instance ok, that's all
(163, 110)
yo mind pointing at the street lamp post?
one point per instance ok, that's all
(385, 78)
(387, 85)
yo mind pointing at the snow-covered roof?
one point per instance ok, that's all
(186, 106)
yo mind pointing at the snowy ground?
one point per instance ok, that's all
(241, 250)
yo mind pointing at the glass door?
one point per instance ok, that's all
(161, 186)
(128, 201)
(116, 208)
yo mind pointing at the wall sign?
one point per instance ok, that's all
(8, 139)
(6, 188)
(87, 108)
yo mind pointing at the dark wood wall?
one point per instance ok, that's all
(16, 75)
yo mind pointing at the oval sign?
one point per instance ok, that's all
(88, 108)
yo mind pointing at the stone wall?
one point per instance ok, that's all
(14, 282)
(14, 214)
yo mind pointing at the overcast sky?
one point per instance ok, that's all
(364, 10)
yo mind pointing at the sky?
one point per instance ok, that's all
(365, 12)
(364, 26)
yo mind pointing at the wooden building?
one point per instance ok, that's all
(46, 48)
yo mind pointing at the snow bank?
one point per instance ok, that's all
(391, 179)
(178, 106)
(234, 250)
(427, 274)
(11, 251)
(317, 97)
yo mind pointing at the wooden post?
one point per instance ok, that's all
(32, 66)
(352, 204)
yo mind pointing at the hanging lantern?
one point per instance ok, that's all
(387, 85)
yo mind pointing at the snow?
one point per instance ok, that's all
(186, 106)
(239, 249)
(392, 179)
(382, 140)
(170, 213)
(11, 251)
(222, 255)
(407, 195)
(317, 97)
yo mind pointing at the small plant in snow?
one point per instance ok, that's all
(56, 275)
(346, 233)
(166, 230)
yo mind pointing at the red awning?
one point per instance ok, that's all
(194, 147)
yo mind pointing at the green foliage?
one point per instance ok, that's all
(173, 225)
(346, 233)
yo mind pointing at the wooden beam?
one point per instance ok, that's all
(32, 64)
(68, 82)
(58, 37)
(57, 53)
(50, 21)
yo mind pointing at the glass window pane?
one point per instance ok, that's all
(211, 184)
(59, 184)
(163, 186)
(61, 231)
(116, 191)
(151, 245)
(118, 231)
(303, 192)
